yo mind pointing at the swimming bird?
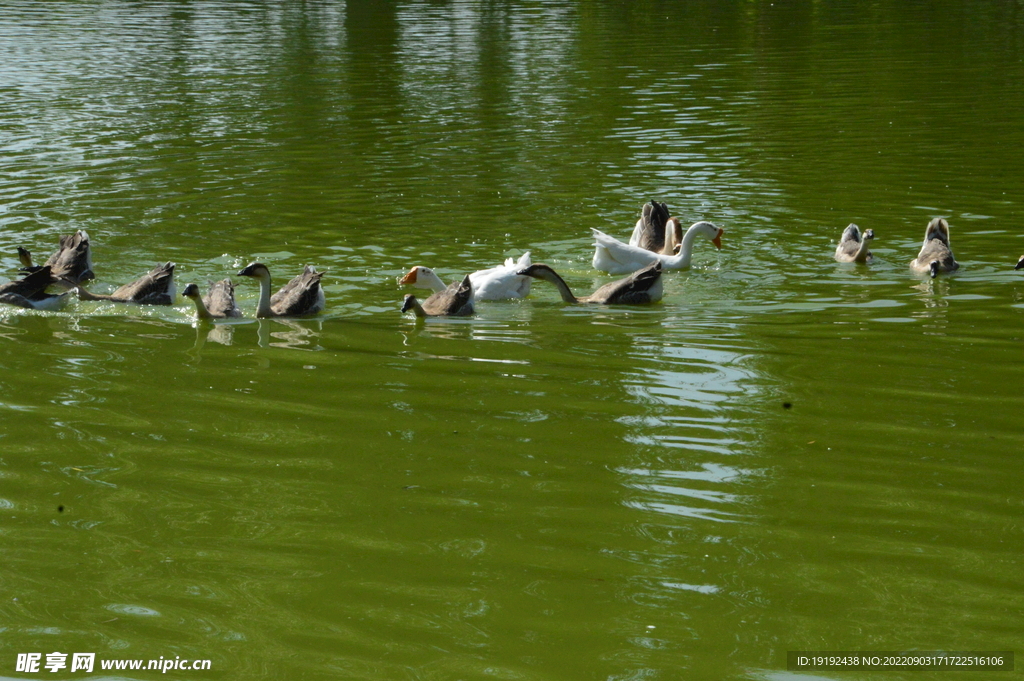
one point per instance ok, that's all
(853, 246)
(1020, 264)
(156, 287)
(615, 257)
(219, 302)
(456, 300)
(30, 291)
(496, 283)
(47, 302)
(71, 261)
(650, 232)
(33, 283)
(935, 255)
(299, 297)
(642, 287)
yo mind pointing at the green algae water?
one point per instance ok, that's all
(786, 453)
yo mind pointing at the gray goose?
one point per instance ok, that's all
(30, 291)
(156, 287)
(642, 287)
(301, 296)
(454, 301)
(935, 255)
(219, 302)
(853, 246)
(72, 261)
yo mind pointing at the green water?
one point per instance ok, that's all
(785, 454)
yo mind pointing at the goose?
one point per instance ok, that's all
(72, 260)
(455, 301)
(642, 287)
(853, 246)
(156, 287)
(45, 301)
(650, 233)
(615, 257)
(1020, 264)
(935, 255)
(299, 297)
(30, 291)
(219, 302)
(31, 284)
(497, 283)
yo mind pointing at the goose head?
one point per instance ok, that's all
(709, 231)
(410, 303)
(416, 274)
(257, 270)
(191, 291)
(1020, 264)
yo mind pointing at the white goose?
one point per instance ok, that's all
(496, 283)
(615, 257)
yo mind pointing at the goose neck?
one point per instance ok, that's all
(263, 307)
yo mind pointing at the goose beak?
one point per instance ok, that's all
(409, 278)
(717, 241)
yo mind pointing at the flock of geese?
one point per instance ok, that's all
(657, 244)
(71, 265)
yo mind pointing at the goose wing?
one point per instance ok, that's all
(456, 300)
(502, 282)
(42, 301)
(156, 287)
(641, 287)
(220, 299)
(73, 260)
(615, 257)
(31, 285)
(649, 232)
(849, 243)
(300, 296)
(936, 250)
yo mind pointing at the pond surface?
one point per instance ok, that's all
(787, 453)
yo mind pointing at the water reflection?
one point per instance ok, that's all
(300, 335)
(691, 391)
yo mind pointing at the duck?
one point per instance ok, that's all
(853, 246)
(502, 282)
(640, 288)
(650, 233)
(72, 261)
(30, 291)
(156, 287)
(300, 297)
(935, 255)
(456, 300)
(615, 257)
(219, 302)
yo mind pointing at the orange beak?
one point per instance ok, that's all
(717, 241)
(409, 278)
